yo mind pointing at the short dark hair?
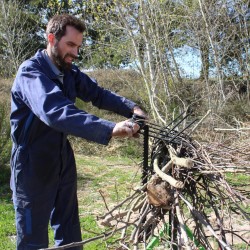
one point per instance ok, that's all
(58, 23)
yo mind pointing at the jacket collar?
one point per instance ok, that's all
(52, 72)
(53, 66)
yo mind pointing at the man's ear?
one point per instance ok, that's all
(51, 38)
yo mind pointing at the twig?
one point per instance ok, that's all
(134, 207)
(231, 129)
(136, 193)
(105, 203)
(81, 243)
(201, 120)
(182, 162)
(144, 213)
(173, 182)
(204, 222)
(181, 223)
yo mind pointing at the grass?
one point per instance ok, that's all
(109, 178)
(102, 182)
(7, 226)
(238, 179)
(7, 222)
(113, 177)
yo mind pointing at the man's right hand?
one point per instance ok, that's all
(125, 129)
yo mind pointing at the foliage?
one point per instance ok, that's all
(19, 37)
(5, 141)
(235, 111)
(104, 48)
(147, 36)
(7, 224)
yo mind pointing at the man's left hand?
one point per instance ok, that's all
(138, 111)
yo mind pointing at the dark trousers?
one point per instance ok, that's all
(38, 201)
(32, 220)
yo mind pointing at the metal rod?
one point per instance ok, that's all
(169, 123)
(161, 134)
(169, 132)
(145, 155)
(177, 118)
(180, 121)
(184, 129)
(162, 139)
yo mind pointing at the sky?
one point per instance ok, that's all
(189, 61)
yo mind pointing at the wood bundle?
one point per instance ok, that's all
(186, 203)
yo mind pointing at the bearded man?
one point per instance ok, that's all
(43, 113)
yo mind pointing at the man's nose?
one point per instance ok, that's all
(75, 52)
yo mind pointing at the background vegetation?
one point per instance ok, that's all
(154, 39)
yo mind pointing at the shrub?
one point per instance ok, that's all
(5, 141)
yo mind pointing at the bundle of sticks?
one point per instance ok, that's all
(186, 201)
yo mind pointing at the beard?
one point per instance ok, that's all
(59, 60)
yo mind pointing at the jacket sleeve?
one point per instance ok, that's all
(88, 90)
(46, 100)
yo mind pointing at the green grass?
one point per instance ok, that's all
(110, 179)
(238, 179)
(112, 176)
(7, 226)
(7, 222)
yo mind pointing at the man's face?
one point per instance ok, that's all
(65, 51)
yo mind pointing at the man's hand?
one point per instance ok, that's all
(138, 111)
(126, 129)
(139, 116)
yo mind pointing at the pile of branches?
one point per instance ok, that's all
(185, 203)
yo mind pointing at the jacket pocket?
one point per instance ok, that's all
(19, 162)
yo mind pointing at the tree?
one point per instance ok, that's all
(19, 36)
(148, 33)
(105, 44)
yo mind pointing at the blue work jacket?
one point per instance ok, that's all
(43, 113)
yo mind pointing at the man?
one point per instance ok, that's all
(43, 113)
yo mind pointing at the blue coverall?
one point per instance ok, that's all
(43, 177)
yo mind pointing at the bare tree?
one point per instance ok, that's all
(149, 40)
(18, 29)
(152, 32)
